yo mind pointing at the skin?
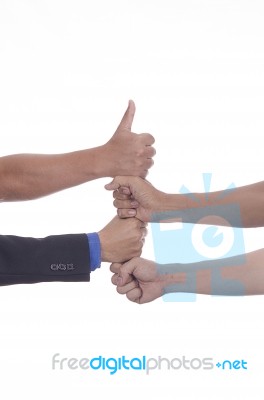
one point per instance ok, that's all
(122, 239)
(143, 280)
(135, 197)
(30, 176)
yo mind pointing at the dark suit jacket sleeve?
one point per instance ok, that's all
(54, 258)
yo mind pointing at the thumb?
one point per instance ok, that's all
(114, 185)
(119, 182)
(125, 272)
(127, 120)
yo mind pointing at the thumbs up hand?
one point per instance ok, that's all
(128, 153)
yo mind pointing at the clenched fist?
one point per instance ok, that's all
(122, 239)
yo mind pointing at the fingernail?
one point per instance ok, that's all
(132, 212)
(124, 191)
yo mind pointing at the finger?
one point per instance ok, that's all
(140, 224)
(126, 272)
(125, 190)
(127, 120)
(143, 174)
(120, 196)
(126, 288)
(147, 139)
(121, 183)
(144, 232)
(115, 279)
(126, 213)
(114, 185)
(115, 267)
(134, 295)
(149, 163)
(150, 151)
(125, 203)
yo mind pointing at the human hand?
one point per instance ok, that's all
(135, 197)
(128, 153)
(122, 239)
(139, 279)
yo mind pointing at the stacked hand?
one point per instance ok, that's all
(126, 153)
(139, 279)
(126, 157)
(135, 197)
(122, 239)
(136, 200)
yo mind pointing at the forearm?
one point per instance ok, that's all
(241, 207)
(241, 275)
(29, 176)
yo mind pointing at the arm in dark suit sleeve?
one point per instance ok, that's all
(54, 258)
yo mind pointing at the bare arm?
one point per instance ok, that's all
(249, 201)
(29, 176)
(240, 207)
(144, 281)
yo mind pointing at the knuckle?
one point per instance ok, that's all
(135, 223)
(153, 151)
(151, 163)
(129, 296)
(147, 138)
(139, 235)
(119, 290)
(138, 252)
(140, 152)
(143, 174)
(121, 213)
(151, 138)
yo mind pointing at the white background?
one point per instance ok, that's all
(196, 72)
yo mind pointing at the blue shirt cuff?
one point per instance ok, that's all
(95, 250)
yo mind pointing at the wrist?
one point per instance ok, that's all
(109, 163)
(175, 202)
(105, 256)
(101, 162)
(165, 204)
(87, 164)
(173, 282)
